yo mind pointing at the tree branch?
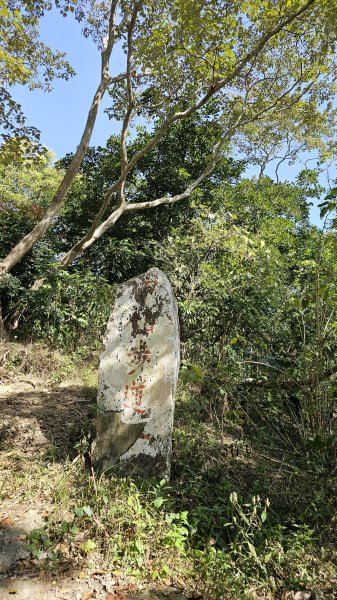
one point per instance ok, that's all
(212, 90)
(93, 235)
(130, 94)
(96, 231)
(28, 241)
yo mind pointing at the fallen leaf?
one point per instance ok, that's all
(26, 562)
(82, 574)
(12, 591)
(6, 522)
(97, 572)
(41, 573)
(88, 595)
(64, 549)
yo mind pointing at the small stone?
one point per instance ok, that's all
(302, 595)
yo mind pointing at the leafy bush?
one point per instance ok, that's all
(69, 310)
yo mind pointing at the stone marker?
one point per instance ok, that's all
(137, 379)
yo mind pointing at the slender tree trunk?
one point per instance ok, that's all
(27, 242)
(36, 234)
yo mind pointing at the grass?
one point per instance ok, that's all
(245, 515)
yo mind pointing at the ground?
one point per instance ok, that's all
(66, 533)
(38, 419)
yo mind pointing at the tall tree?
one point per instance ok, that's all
(266, 65)
(167, 169)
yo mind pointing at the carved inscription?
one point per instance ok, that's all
(138, 374)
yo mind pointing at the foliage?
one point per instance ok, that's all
(24, 59)
(25, 191)
(256, 292)
(251, 509)
(273, 78)
(143, 529)
(174, 163)
(28, 187)
(69, 310)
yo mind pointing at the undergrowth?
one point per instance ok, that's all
(139, 528)
(42, 361)
(244, 516)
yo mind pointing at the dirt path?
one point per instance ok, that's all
(40, 421)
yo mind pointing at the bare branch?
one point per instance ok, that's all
(290, 384)
(117, 78)
(95, 233)
(89, 239)
(188, 191)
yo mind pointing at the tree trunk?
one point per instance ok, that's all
(27, 242)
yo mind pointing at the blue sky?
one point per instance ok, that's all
(60, 114)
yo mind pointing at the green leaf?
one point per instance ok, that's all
(87, 510)
(74, 530)
(197, 371)
(88, 546)
(158, 502)
(252, 549)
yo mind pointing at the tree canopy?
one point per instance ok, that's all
(268, 68)
(25, 59)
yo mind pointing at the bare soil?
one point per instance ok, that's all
(40, 420)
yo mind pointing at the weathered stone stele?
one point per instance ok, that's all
(137, 379)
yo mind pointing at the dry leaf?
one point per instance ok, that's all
(12, 591)
(64, 549)
(6, 522)
(82, 574)
(211, 541)
(88, 595)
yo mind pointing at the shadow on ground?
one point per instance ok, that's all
(48, 421)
